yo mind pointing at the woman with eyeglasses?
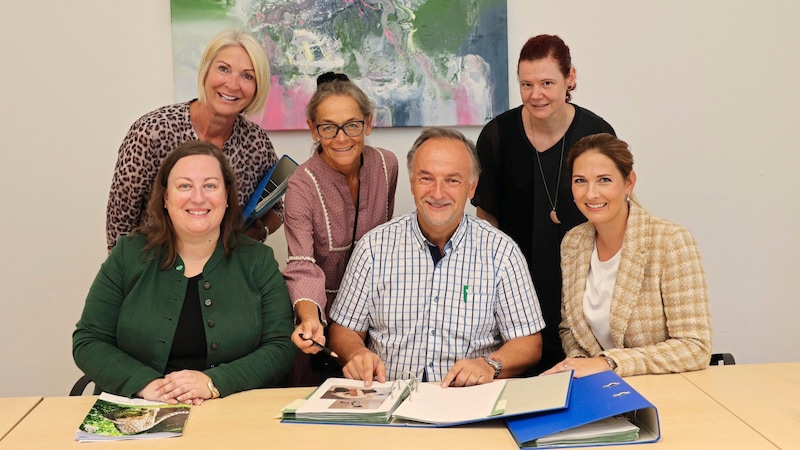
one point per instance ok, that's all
(344, 190)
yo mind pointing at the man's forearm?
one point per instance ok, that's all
(519, 354)
(345, 342)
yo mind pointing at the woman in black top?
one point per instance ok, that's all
(524, 187)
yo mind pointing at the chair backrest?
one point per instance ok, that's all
(80, 386)
(722, 359)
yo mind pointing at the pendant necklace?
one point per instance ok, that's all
(553, 201)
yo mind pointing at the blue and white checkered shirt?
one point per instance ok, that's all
(425, 317)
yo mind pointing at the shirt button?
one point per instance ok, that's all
(207, 302)
(436, 299)
(433, 332)
(211, 323)
(214, 346)
(207, 285)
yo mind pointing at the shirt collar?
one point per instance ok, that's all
(455, 241)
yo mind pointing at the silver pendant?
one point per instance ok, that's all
(554, 217)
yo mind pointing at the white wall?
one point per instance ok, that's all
(703, 91)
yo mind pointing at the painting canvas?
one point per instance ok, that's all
(423, 63)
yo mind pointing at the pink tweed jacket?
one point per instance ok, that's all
(660, 319)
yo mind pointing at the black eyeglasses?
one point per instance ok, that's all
(327, 77)
(354, 128)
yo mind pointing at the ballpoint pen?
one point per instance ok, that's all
(324, 349)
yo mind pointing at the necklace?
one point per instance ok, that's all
(553, 200)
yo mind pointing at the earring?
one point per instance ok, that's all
(628, 198)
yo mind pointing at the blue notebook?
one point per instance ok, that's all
(269, 190)
(600, 396)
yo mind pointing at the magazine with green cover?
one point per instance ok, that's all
(115, 418)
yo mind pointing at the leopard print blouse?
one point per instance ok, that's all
(147, 143)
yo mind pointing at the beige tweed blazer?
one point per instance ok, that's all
(660, 319)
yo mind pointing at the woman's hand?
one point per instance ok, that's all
(183, 386)
(150, 392)
(581, 367)
(310, 328)
(257, 230)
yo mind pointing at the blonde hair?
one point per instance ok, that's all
(258, 57)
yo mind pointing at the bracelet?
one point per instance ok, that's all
(266, 230)
(611, 363)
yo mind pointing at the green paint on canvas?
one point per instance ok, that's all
(188, 10)
(443, 25)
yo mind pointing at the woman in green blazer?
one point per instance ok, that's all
(634, 292)
(187, 308)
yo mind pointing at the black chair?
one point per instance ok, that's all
(722, 359)
(80, 386)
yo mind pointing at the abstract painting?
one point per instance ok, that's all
(423, 63)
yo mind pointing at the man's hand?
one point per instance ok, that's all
(365, 366)
(469, 372)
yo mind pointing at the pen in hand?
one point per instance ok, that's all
(325, 349)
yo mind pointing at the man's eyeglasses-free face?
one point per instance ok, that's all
(354, 128)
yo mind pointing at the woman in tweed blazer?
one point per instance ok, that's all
(634, 293)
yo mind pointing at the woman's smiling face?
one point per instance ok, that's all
(341, 151)
(599, 188)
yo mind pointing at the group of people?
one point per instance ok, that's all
(561, 269)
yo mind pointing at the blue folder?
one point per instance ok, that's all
(269, 190)
(593, 398)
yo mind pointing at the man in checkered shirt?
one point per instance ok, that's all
(437, 294)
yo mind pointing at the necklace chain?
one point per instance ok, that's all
(553, 200)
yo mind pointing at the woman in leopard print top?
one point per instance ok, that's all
(233, 82)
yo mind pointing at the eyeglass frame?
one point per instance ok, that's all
(341, 128)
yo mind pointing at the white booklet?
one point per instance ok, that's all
(114, 418)
(409, 403)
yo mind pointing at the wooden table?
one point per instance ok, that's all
(246, 420)
(13, 410)
(765, 396)
(689, 419)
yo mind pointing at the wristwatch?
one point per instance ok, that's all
(212, 388)
(496, 364)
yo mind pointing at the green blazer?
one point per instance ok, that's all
(123, 339)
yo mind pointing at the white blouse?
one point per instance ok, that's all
(597, 297)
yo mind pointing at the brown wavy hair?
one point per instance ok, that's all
(157, 228)
(608, 145)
